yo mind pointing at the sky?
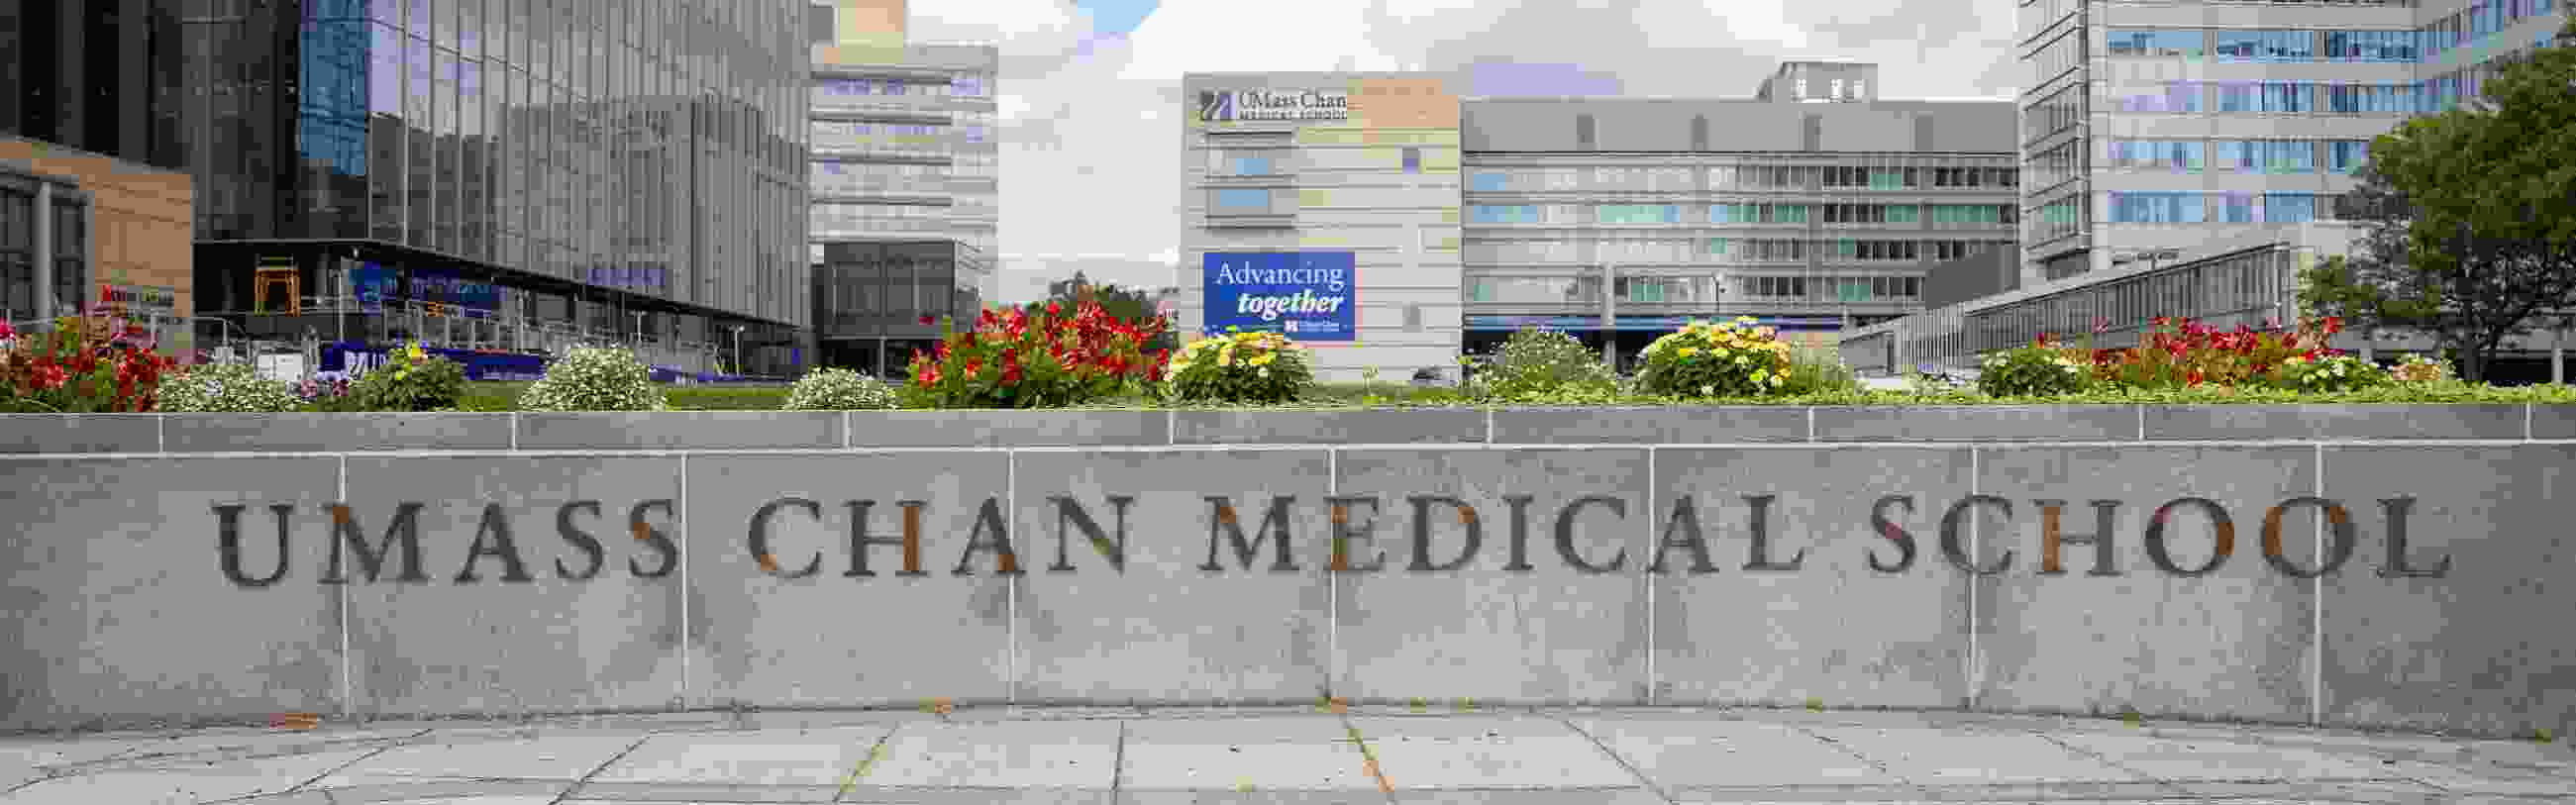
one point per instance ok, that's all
(1090, 105)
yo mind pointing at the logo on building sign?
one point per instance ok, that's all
(1262, 104)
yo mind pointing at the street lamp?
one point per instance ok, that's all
(637, 335)
(737, 349)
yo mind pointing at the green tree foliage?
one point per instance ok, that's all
(2470, 215)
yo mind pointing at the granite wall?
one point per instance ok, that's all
(2386, 566)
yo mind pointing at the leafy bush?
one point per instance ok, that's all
(411, 379)
(1731, 359)
(2330, 373)
(1537, 365)
(1818, 371)
(225, 387)
(2042, 369)
(2421, 369)
(831, 389)
(595, 379)
(1255, 367)
(83, 366)
(1050, 359)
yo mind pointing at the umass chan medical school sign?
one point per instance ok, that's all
(1425, 534)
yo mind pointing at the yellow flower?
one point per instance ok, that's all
(1760, 376)
(1225, 357)
(1263, 359)
(1747, 320)
(1689, 351)
(415, 351)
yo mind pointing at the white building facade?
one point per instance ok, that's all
(2151, 126)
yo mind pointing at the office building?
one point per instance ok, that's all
(590, 171)
(1444, 224)
(905, 196)
(2156, 126)
(80, 231)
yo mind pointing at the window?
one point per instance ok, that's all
(2176, 96)
(1639, 214)
(2157, 208)
(1243, 200)
(2289, 208)
(17, 255)
(2345, 156)
(2156, 43)
(1583, 134)
(1488, 181)
(1503, 214)
(1412, 160)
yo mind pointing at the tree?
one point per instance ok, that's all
(2470, 215)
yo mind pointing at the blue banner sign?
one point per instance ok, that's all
(1655, 323)
(373, 284)
(1307, 296)
(352, 360)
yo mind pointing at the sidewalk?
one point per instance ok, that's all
(1577, 756)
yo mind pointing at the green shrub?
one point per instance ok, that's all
(1262, 368)
(227, 388)
(2038, 370)
(595, 379)
(2421, 369)
(1730, 359)
(838, 390)
(2329, 373)
(1543, 366)
(410, 380)
(1818, 370)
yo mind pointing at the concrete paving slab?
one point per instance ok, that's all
(764, 757)
(1730, 753)
(183, 786)
(1256, 797)
(1460, 728)
(2481, 779)
(1023, 754)
(1560, 796)
(1261, 766)
(1929, 757)
(1526, 762)
(1259, 729)
(553, 758)
(2175, 759)
(658, 793)
(1796, 794)
(425, 789)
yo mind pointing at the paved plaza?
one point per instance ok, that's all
(1362, 754)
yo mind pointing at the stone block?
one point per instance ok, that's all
(322, 433)
(1977, 423)
(542, 584)
(914, 616)
(80, 433)
(1189, 617)
(116, 607)
(2231, 642)
(1727, 424)
(2483, 647)
(1350, 426)
(2326, 422)
(1457, 584)
(1802, 613)
(680, 430)
(1009, 428)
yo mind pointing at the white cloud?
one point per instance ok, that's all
(1091, 162)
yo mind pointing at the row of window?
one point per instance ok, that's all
(2464, 28)
(2243, 156)
(963, 87)
(1891, 176)
(1686, 290)
(2431, 95)
(1960, 214)
(1669, 250)
(2196, 208)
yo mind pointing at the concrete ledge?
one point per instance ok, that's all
(223, 433)
(680, 430)
(80, 433)
(2218, 422)
(1977, 423)
(2552, 421)
(1347, 426)
(1709, 425)
(1008, 428)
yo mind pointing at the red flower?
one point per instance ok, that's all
(2334, 324)
(2192, 379)
(1054, 309)
(1011, 373)
(85, 364)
